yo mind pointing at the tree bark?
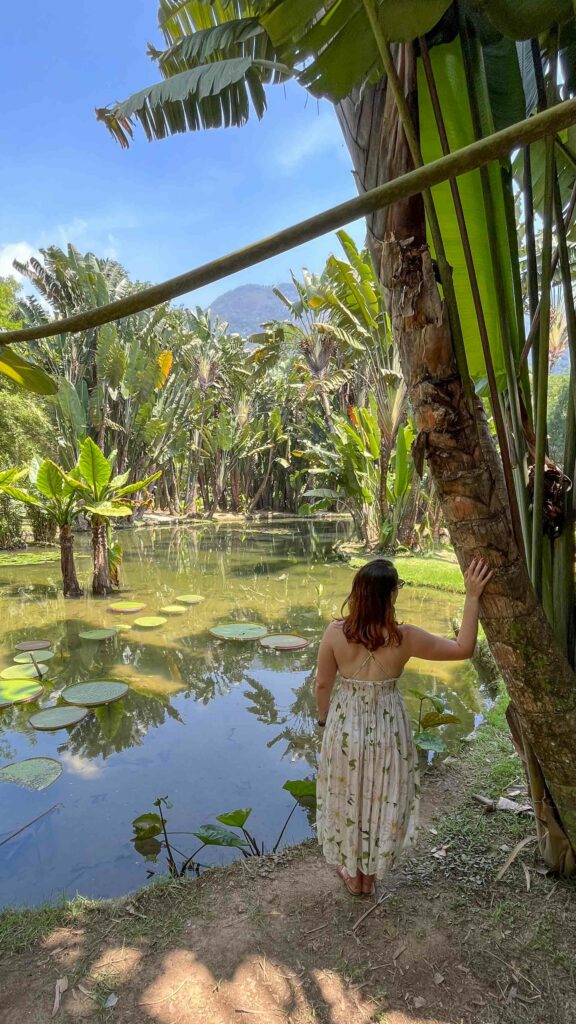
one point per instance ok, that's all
(71, 586)
(461, 455)
(101, 579)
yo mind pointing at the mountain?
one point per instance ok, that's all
(247, 307)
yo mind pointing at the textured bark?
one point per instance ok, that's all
(101, 580)
(71, 586)
(461, 455)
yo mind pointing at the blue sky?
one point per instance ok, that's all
(163, 207)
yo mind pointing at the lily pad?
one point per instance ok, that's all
(19, 691)
(33, 772)
(57, 718)
(284, 642)
(123, 627)
(28, 658)
(239, 631)
(91, 695)
(34, 645)
(126, 606)
(190, 598)
(23, 672)
(173, 609)
(98, 634)
(150, 621)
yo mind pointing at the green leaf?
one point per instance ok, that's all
(434, 718)
(147, 825)
(50, 479)
(94, 466)
(320, 492)
(300, 787)
(450, 75)
(26, 374)
(121, 491)
(235, 818)
(148, 847)
(429, 741)
(214, 835)
(20, 495)
(108, 509)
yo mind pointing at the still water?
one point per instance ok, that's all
(214, 725)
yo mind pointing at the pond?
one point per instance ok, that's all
(214, 725)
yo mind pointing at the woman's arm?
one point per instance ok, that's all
(326, 670)
(422, 644)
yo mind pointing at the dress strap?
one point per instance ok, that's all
(372, 656)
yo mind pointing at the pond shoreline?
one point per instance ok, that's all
(280, 938)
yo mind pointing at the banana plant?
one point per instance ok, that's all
(52, 491)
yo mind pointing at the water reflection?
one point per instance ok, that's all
(213, 724)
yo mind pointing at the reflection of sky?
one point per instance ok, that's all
(213, 725)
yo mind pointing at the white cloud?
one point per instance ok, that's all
(309, 143)
(79, 765)
(21, 251)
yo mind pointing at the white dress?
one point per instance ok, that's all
(368, 787)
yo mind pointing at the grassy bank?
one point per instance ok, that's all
(275, 936)
(440, 572)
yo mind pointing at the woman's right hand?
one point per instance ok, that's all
(476, 577)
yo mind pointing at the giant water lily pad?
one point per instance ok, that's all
(33, 773)
(284, 642)
(126, 606)
(173, 609)
(150, 621)
(190, 598)
(97, 634)
(91, 695)
(239, 631)
(19, 691)
(29, 657)
(123, 627)
(34, 645)
(57, 718)
(23, 672)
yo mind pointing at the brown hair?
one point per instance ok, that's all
(370, 620)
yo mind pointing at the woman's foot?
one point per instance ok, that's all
(368, 885)
(353, 885)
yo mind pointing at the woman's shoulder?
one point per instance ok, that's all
(334, 629)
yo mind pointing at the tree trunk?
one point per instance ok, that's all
(71, 586)
(101, 580)
(410, 514)
(460, 452)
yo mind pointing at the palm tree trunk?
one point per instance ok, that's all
(71, 586)
(101, 579)
(460, 452)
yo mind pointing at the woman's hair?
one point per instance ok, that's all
(370, 620)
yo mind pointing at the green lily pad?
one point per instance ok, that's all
(284, 642)
(123, 627)
(239, 631)
(173, 609)
(34, 645)
(19, 691)
(57, 718)
(91, 695)
(23, 672)
(97, 634)
(190, 598)
(126, 606)
(33, 772)
(150, 621)
(28, 658)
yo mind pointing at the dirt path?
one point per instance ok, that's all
(279, 940)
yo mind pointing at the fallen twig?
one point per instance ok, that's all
(318, 929)
(33, 822)
(152, 1002)
(512, 857)
(385, 896)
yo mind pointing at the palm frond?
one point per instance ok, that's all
(210, 96)
(242, 37)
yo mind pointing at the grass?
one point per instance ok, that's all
(435, 571)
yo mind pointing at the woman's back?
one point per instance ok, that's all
(356, 662)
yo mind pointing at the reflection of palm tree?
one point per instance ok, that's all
(299, 732)
(115, 727)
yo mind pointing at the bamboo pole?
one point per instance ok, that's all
(469, 158)
(479, 308)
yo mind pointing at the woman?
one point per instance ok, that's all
(368, 774)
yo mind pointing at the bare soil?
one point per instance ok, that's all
(279, 939)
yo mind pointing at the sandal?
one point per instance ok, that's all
(341, 870)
